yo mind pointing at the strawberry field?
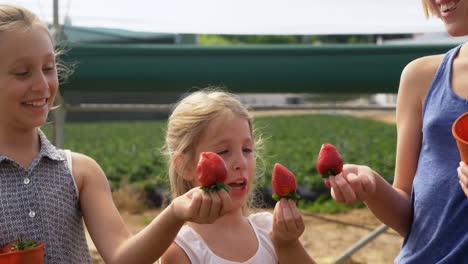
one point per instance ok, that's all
(131, 151)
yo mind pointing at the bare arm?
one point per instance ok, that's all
(108, 230)
(391, 204)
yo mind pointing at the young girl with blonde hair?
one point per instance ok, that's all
(45, 192)
(212, 120)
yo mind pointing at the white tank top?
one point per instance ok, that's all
(199, 252)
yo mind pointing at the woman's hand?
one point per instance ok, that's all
(355, 184)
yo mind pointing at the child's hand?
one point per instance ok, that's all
(355, 184)
(201, 207)
(288, 224)
(463, 177)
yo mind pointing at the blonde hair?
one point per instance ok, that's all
(14, 17)
(186, 124)
(430, 9)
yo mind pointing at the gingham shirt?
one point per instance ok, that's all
(42, 203)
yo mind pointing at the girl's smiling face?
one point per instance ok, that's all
(230, 136)
(28, 77)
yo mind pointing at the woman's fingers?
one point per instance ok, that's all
(342, 190)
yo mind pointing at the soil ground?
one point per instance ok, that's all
(326, 236)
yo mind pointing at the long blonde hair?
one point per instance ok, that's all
(186, 124)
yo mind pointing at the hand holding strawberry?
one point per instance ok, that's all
(329, 161)
(357, 183)
(288, 224)
(284, 184)
(211, 172)
(200, 206)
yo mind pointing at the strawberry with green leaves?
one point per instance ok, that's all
(211, 172)
(284, 184)
(329, 161)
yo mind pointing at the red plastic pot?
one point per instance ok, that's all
(33, 255)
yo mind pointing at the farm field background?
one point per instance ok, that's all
(130, 153)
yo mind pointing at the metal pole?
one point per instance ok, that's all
(361, 243)
(56, 16)
(58, 114)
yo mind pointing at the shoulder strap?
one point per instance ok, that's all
(69, 160)
(68, 157)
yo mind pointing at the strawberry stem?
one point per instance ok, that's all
(215, 187)
(292, 195)
(330, 172)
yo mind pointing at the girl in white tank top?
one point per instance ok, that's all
(215, 121)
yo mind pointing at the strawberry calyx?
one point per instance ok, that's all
(331, 172)
(292, 195)
(215, 187)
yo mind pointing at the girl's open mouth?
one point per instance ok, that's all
(240, 184)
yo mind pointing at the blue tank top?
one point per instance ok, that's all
(439, 230)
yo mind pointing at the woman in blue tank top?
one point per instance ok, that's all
(427, 203)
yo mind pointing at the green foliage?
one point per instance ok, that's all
(326, 206)
(247, 39)
(291, 39)
(295, 142)
(131, 150)
(22, 244)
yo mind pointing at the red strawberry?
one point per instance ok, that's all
(284, 183)
(329, 161)
(211, 171)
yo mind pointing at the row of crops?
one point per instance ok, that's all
(131, 151)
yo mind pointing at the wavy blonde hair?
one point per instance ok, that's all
(189, 119)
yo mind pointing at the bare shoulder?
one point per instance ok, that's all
(417, 76)
(421, 70)
(175, 254)
(85, 170)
